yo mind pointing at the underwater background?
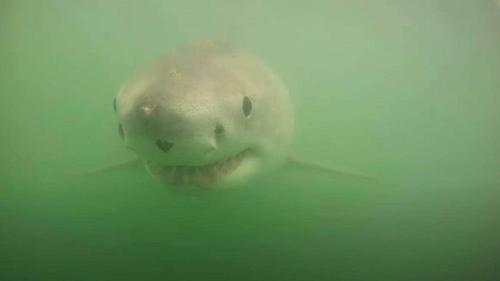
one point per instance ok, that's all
(408, 91)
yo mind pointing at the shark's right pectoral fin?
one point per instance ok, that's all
(135, 162)
(301, 163)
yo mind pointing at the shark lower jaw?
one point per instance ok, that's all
(199, 176)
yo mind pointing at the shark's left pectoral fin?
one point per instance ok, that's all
(111, 167)
(299, 162)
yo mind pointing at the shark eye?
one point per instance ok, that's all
(247, 106)
(165, 146)
(114, 104)
(120, 131)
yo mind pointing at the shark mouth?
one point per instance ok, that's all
(198, 175)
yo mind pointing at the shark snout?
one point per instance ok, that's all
(158, 132)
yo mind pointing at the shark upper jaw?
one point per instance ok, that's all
(199, 176)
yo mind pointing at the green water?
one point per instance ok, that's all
(408, 91)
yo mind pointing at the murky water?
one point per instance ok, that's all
(407, 91)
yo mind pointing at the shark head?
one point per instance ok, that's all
(206, 116)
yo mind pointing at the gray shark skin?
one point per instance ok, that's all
(206, 116)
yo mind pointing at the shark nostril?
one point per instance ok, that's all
(165, 146)
(219, 130)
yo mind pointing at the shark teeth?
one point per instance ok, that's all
(199, 175)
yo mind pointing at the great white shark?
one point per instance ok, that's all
(208, 116)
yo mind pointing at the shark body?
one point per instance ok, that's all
(206, 116)
(209, 116)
